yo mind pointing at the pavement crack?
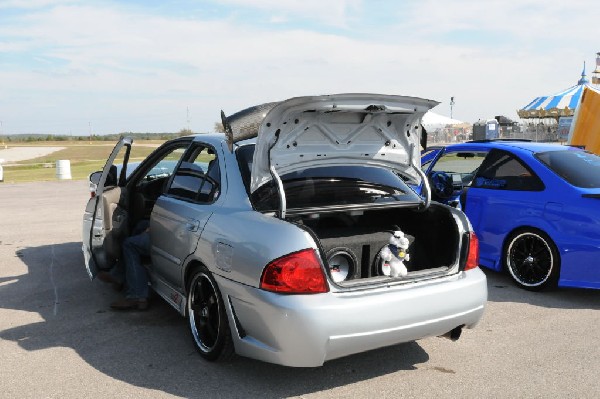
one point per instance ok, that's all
(52, 281)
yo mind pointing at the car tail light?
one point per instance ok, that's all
(296, 273)
(473, 255)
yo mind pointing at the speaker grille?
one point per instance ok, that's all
(342, 264)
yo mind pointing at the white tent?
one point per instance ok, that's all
(432, 121)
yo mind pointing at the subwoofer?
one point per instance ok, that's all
(350, 253)
(342, 264)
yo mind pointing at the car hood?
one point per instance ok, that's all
(332, 130)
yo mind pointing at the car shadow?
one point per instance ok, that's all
(152, 349)
(501, 288)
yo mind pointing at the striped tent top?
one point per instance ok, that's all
(557, 105)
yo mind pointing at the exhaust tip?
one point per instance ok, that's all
(454, 334)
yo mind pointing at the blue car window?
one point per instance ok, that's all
(502, 170)
(580, 168)
(461, 165)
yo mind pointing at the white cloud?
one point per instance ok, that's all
(129, 69)
(31, 4)
(334, 13)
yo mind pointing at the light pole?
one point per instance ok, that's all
(451, 105)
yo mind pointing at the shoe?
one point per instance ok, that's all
(108, 278)
(130, 304)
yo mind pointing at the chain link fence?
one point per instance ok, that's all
(542, 131)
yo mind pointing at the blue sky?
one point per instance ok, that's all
(152, 66)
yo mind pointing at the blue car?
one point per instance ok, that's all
(534, 206)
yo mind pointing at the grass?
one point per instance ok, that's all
(84, 157)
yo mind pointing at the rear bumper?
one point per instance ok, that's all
(307, 330)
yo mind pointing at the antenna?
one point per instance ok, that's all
(188, 118)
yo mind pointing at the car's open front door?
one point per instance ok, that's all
(105, 219)
(429, 155)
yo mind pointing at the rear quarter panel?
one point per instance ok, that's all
(574, 226)
(238, 244)
(237, 241)
(495, 214)
(577, 236)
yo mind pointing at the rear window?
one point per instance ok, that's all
(329, 186)
(580, 168)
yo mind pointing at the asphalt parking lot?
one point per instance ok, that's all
(58, 337)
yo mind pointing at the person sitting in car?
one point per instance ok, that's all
(129, 271)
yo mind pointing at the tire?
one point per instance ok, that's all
(532, 260)
(207, 317)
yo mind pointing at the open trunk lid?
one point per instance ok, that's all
(330, 130)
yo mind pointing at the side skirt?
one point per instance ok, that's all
(173, 297)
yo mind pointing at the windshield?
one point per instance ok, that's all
(329, 186)
(580, 168)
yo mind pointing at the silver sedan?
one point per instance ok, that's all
(271, 238)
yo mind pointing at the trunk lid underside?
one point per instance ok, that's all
(341, 129)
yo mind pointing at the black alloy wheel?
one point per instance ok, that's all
(207, 317)
(532, 260)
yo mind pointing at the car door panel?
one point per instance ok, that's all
(179, 216)
(116, 220)
(491, 215)
(175, 228)
(105, 219)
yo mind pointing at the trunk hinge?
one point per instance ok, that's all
(426, 190)
(277, 179)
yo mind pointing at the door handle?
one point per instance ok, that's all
(192, 225)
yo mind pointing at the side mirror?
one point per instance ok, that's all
(94, 180)
(95, 177)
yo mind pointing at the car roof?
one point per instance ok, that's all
(530, 146)
(210, 138)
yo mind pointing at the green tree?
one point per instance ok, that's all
(219, 127)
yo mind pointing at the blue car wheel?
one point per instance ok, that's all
(532, 259)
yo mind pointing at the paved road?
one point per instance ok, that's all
(58, 338)
(15, 154)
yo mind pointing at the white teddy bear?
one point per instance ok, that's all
(395, 254)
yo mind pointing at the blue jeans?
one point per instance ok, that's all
(130, 267)
(136, 275)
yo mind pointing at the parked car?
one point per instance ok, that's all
(534, 206)
(267, 237)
